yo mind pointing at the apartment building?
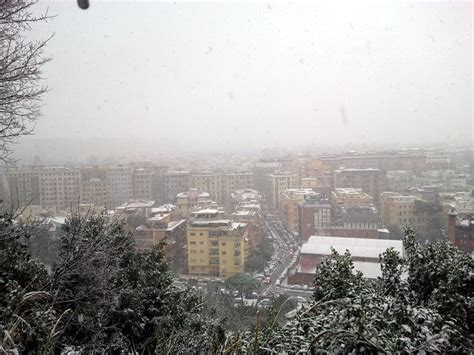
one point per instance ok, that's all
(278, 183)
(221, 185)
(214, 183)
(59, 187)
(314, 217)
(411, 161)
(289, 206)
(400, 210)
(356, 221)
(22, 188)
(143, 184)
(216, 246)
(93, 191)
(372, 181)
(119, 185)
(93, 186)
(175, 182)
(322, 184)
(399, 179)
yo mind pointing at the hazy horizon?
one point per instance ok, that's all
(237, 75)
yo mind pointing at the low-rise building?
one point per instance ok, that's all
(461, 231)
(349, 197)
(364, 253)
(400, 210)
(314, 217)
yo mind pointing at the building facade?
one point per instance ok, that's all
(216, 246)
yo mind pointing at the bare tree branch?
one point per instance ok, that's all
(21, 62)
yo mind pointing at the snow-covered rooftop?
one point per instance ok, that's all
(358, 247)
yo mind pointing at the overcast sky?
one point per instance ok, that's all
(222, 74)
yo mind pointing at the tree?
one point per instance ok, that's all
(259, 256)
(242, 283)
(102, 295)
(434, 227)
(21, 62)
(396, 232)
(422, 302)
(26, 319)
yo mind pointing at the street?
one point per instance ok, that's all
(283, 251)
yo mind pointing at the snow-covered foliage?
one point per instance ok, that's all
(101, 296)
(421, 303)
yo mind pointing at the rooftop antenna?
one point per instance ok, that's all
(83, 4)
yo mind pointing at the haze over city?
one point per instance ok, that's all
(236, 177)
(230, 76)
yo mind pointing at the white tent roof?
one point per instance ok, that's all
(358, 247)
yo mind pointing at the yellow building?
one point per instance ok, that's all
(400, 210)
(216, 246)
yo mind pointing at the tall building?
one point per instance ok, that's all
(214, 183)
(279, 182)
(372, 181)
(175, 182)
(93, 191)
(93, 186)
(59, 187)
(22, 188)
(289, 206)
(216, 246)
(119, 186)
(142, 184)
